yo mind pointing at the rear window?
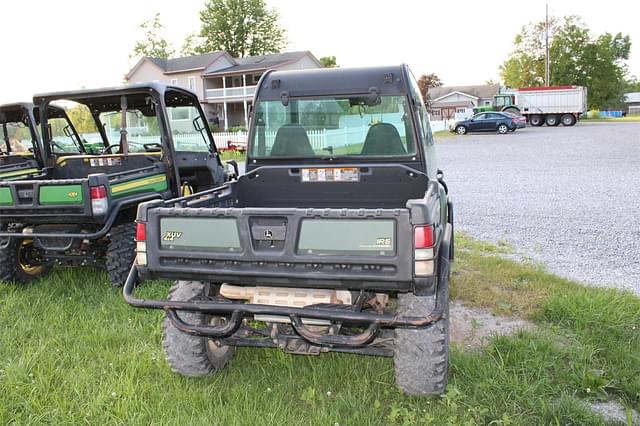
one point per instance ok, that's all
(333, 127)
(15, 139)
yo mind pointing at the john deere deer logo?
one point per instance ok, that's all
(171, 236)
(72, 194)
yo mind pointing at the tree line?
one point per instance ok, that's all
(576, 57)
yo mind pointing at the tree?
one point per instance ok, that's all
(328, 62)
(240, 27)
(153, 44)
(576, 57)
(82, 119)
(426, 82)
(191, 45)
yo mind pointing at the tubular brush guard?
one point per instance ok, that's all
(236, 311)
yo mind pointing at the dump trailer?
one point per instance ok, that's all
(551, 105)
(334, 243)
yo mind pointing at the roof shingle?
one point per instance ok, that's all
(481, 91)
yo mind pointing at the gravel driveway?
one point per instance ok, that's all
(568, 197)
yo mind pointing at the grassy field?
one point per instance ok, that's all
(629, 118)
(72, 352)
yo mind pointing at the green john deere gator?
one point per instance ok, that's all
(78, 209)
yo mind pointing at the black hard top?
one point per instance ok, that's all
(388, 80)
(15, 112)
(108, 98)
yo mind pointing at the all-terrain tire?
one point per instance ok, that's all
(421, 356)
(121, 252)
(11, 267)
(188, 355)
(7, 260)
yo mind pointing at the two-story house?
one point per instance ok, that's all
(225, 85)
(447, 102)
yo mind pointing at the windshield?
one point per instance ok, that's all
(335, 126)
(15, 138)
(141, 129)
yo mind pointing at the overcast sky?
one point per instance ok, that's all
(63, 44)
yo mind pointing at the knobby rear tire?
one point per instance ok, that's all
(421, 356)
(121, 253)
(11, 268)
(187, 355)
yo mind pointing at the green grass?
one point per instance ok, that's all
(72, 352)
(629, 118)
(443, 134)
(232, 155)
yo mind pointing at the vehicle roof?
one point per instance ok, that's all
(15, 111)
(16, 105)
(389, 80)
(108, 98)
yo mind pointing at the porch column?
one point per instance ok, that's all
(224, 102)
(244, 100)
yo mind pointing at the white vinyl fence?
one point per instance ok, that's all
(319, 139)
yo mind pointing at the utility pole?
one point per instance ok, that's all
(547, 71)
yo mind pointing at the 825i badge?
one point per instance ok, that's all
(171, 236)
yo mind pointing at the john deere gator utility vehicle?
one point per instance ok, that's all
(21, 154)
(80, 209)
(338, 238)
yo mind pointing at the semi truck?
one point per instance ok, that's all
(542, 105)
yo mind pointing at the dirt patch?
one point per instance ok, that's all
(471, 327)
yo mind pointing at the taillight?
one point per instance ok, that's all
(99, 199)
(423, 241)
(141, 243)
(423, 237)
(141, 231)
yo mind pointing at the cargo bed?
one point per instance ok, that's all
(241, 233)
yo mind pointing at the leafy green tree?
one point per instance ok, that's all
(82, 119)
(153, 44)
(191, 45)
(426, 82)
(241, 28)
(328, 62)
(576, 57)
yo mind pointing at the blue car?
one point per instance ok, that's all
(487, 122)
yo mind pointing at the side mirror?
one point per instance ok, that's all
(234, 166)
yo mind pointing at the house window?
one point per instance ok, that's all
(173, 81)
(256, 78)
(435, 113)
(180, 114)
(192, 83)
(461, 110)
(487, 102)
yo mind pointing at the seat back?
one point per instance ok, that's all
(383, 139)
(292, 141)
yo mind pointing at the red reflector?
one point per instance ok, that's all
(141, 232)
(98, 192)
(423, 236)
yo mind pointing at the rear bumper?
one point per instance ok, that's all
(235, 312)
(102, 224)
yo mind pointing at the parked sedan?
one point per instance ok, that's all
(521, 121)
(486, 122)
